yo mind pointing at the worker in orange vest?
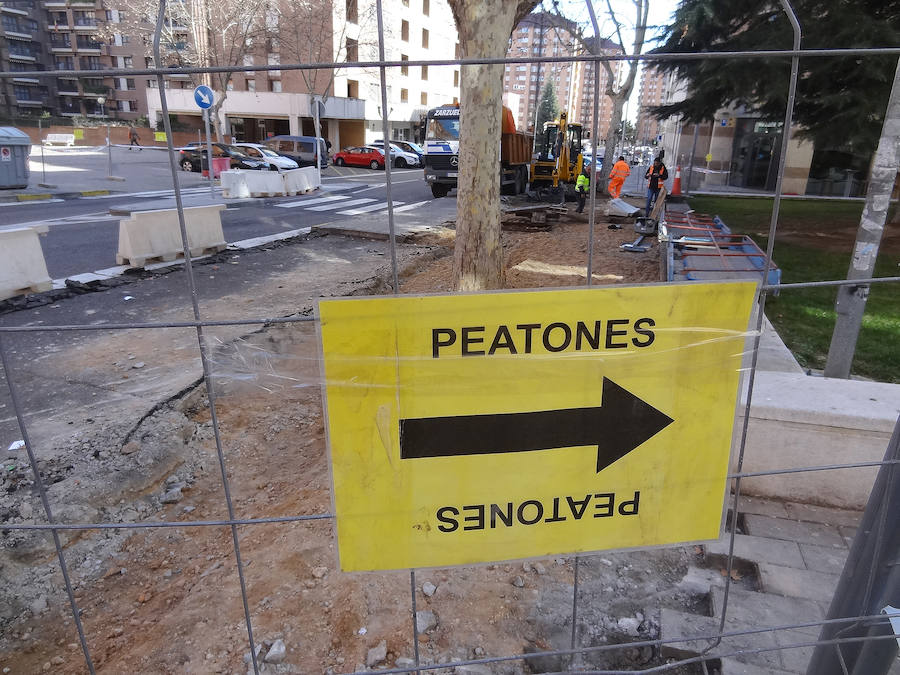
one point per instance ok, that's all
(617, 176)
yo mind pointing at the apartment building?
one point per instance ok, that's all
(259, 104)
(583, 109)
(22, 51)
(545, 34)
(650, 94)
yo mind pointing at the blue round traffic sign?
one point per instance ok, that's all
(204, 96)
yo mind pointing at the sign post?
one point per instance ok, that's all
(204, 97)
(498, 426)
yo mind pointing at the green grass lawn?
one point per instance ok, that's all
(813, 243)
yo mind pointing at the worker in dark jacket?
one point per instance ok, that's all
(656, 173)
(582, 185)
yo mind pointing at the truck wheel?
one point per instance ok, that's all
(439, 190)
(521, 181)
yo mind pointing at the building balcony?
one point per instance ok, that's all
(88, 50)
(13, 10)
(32, 102)
(24, 59)
(86, 26)
(61, 49)
(59, 27)
(26, 80)
(55, 4)
(15, 35)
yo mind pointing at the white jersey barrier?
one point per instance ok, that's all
(22, 266)
(237, 184)
(154, 236)
(302, 180)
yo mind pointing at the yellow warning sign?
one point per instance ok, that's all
(159, 136)
(469, 428)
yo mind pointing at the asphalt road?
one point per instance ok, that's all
(83, 235)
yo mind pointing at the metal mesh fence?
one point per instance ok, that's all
(838, 633)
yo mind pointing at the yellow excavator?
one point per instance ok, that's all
(559, 159)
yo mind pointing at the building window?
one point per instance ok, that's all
(404, 30)
(275, 85)
(425, 38)
(404, 95)
(424, 99)
(455, 78)
(352, 89)
(129, 84)
(424, 72)
(148, 62)
(425, 7)
(455, 101)
(404, 70)
(128, 62)
(251, 85)
(10, 23)
(350, 8)
(352, 50)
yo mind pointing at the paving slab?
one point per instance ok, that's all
(795, 583)
(792, 530)
(674, 624)
(757, 549)
(822, 558)
(848, 533)
(762, 507)
(822, 514)
(795, 659)
(748, 609)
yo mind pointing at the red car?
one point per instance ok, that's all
(366, 155)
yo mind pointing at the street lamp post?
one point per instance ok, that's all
(101, 100)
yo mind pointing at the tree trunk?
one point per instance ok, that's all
(484, 28)
(609, 151)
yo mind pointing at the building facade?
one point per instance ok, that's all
(650, 94)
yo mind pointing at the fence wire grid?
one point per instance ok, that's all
(834, 631)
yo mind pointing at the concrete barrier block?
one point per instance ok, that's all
(798, 420)
(234, 184)
(301, 181)
(265, 183)
(22, 266)
(156, 236)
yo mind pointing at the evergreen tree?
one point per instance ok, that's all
(548, 109)
(840, 100)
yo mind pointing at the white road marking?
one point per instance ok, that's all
(368, 209)
(410, 207)
(307, 202)
(340, 205)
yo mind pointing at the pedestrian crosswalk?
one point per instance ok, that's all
(345, 205)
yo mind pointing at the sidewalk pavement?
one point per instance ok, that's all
(788, 559)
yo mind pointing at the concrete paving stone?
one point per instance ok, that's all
(795, 659)
(822, 514)
(757, 549)
(792, 530)
(848, 533)
(674, 624)
(762, 507)
(748, 609)
(730, 666)
(822, 558)
(795, 583)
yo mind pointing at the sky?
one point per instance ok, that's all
(659, 15)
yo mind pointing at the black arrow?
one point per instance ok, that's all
(621, 424)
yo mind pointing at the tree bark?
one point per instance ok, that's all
(484, 28)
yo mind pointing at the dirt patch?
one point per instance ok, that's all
(167, 600)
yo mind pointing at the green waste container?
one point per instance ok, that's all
(15, 146)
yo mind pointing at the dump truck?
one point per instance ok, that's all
(559, 158)
(441, 159)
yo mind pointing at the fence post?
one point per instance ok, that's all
(870, 580)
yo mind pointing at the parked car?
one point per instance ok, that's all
(366, 155)
(301, 149)
(190, 157)
(260, 152)
(405, 147)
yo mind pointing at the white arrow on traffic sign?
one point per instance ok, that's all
(203, 96)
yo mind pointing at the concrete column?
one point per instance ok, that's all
(294, 123)
(334, 135)
(796, 167)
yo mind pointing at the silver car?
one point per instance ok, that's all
(275, 161)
